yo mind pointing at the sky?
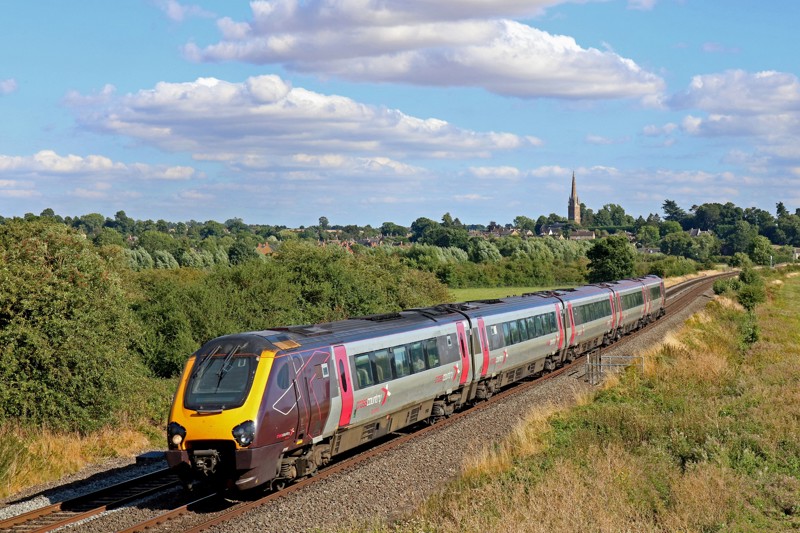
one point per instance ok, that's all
(367, 111)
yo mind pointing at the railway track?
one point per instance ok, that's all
(217, 509)
(89, 505)
(678, 297)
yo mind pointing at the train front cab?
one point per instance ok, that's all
(223, 428)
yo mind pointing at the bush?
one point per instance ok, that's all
(65, 328)
(304, 283)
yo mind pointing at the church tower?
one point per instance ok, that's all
(574, 207)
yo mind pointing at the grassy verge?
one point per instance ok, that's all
(708, 439)
(31, 456)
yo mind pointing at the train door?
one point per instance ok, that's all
(300, 391)
(484, 342)
(345, 384)
(314, 390)
(463, 349)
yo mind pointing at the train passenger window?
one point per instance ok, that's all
(514, 332)
(432, 351)
(531, 327)
(578, 315)
(417, 354)
(539, 325)
(507, 334)
(364, 371)
(522, 325)
(551, 321)
(383, 365)
(402, 367)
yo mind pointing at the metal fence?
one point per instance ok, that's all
(598, 364)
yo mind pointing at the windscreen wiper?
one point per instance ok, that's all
(226, 363)
(206, 358)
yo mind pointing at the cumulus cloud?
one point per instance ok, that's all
(762, 107)
(503, 172)
(445, 43)
(265, 119)
(8, 86)
(49, 163)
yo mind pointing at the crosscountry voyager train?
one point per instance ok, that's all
(272, 406)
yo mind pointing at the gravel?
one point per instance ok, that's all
(90, 479)
(383, 488)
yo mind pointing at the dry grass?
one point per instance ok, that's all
(669, 282)
(698, 443)
(29, 457)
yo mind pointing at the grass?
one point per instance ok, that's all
(31, 456)
(706, 439)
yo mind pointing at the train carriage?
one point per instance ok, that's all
(271, 406)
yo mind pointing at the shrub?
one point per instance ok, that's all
(65, 327)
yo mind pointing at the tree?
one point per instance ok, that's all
(420, 227)
(780, 210)
(241, 252)
(525, 223)
(394, 230)
(760, 250)
(323, 223)
(672, 211)
(648, 235)
(611, 258)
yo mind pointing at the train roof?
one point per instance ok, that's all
(365, 327)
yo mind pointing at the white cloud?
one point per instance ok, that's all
(265, 120)
(599, 140)
(178, 12)
(652, 130)
(471, 197)
(49, 163)
(446, 43)
(493, 173)
(8, 86)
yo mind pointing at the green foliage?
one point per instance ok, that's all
(65, 327)
(669, 266)
(304, 283)
(752, 291)
(611, 258)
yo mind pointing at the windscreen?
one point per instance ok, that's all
(222, 374)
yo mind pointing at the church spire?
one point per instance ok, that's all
(574, 206)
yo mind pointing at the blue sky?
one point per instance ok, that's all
(366, 111)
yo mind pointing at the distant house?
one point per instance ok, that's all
(264, 249)
(696, 232)
(797, 254)
(649, 250)
(553, 230)
(582, 235)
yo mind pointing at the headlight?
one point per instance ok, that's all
(175, 435)
(244, 433)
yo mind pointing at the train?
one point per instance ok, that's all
(265, 408)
